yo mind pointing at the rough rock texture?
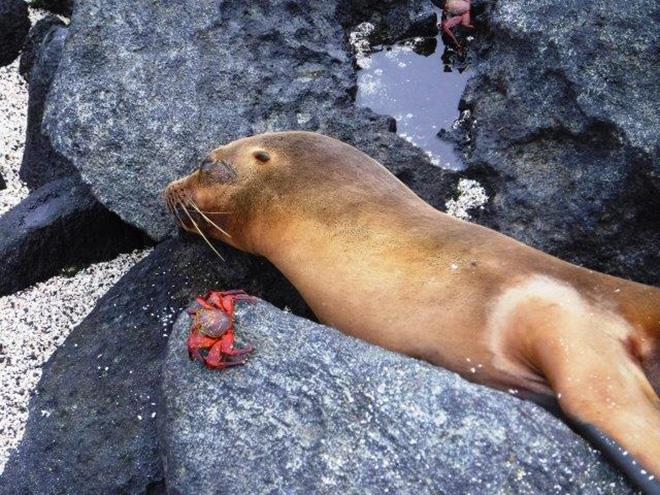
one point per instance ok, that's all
(29, 337)
(564, 129)
(62, 7)
(33, 42)
(59, 225)
(3, 184)
(244, 69)
(14, 27)
(100, 390)
(41, 163)
(314, 411)
(393, 20)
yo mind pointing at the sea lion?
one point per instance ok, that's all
(374, 260)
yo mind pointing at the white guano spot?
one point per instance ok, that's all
(359, 41)
(470, 195)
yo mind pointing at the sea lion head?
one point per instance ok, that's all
(261, 185)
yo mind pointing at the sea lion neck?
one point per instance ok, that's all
(373, 232)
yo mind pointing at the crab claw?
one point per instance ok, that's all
(197, 341)
(221, 352)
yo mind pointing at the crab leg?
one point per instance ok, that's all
(223, 348)
(450, 23)
(197, 341)
(225, 300)
(465, 20)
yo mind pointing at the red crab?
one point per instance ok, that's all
(456, 12)
(213, 328)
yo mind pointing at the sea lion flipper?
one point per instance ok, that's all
(601, 388)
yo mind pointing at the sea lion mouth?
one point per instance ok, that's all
(189, 215)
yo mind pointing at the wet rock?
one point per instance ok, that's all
(59, 225)
(33, 42)
(14, 27)
(314, 411)
(563, 129)
(102, 387)
(392, 20)
(62, 7)
(41, 163)
(289, 67)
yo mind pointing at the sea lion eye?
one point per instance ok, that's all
(206, 164)
(262, 156)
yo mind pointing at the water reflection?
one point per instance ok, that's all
(412, 82)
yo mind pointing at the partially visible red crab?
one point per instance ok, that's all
(213, 328)
(456, 12)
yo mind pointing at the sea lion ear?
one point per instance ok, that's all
(261, 155)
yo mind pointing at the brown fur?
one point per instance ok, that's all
(373, 259)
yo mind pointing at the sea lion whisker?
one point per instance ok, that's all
(200, 232)
(194, 205)
(168, 204)
(174, 201)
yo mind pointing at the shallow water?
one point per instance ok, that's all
(419, 91)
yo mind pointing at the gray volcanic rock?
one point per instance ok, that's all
(14, 27)
(59, 225)
(133, 106)
(564, 129)
(393, 20)
(41, 163)
(102, 386)
(33, 43)
(314, 411)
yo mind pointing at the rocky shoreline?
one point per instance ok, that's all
(124, 99)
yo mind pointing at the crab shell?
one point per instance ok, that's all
(212, 322)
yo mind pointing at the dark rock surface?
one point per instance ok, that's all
(133, 107)
(3, 184)
(62, 7)
(41, 163)
(314, 411)
(14, 27)
(103, 385)
(393, 20)
(33, 42)
(59, 225)
(564, 129)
